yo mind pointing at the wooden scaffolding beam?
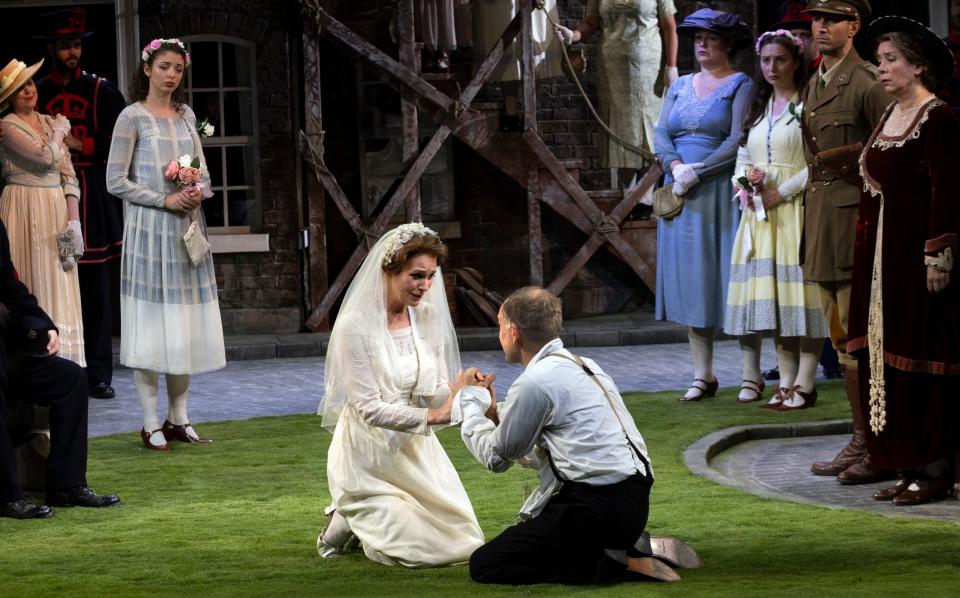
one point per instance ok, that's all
(454, 117)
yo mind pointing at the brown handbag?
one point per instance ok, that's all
(577, 65)
(666, 203)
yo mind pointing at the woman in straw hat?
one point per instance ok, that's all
(39, 204)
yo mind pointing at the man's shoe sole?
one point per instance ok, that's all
(652, 568)
(674, 552)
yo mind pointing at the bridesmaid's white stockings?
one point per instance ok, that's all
(147, 383)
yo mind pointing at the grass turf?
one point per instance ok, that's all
(240, 517)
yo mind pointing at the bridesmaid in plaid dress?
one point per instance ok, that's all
(168, 305)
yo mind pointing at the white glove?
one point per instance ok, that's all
(564, 33)
(60, 124)
(670, 75)
(685, 177)
(76, 235)
(61, 128)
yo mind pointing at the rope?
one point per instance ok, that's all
(645, 153)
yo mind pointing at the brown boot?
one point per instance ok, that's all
(856, 450)
(864, 473)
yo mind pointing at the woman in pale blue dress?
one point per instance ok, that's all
(696, 142)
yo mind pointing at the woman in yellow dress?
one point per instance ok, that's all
(40, 200)
(767, 291)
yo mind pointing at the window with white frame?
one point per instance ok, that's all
(222, 89)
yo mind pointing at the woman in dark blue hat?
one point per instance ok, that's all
(696, 143)
(905, 300)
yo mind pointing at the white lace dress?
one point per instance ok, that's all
(391, 479)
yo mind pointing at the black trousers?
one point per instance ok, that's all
(99, 284)
(60, 385)
(565, 542)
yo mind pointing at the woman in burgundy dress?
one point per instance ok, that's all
(905, 303)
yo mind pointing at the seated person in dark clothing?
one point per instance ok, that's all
(31, 372)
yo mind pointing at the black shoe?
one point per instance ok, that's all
(102, 391)
(81, 496)
(771, 374)
(21, 509)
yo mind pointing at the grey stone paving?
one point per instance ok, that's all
(780, 468)
(775, 468)
(256, 388)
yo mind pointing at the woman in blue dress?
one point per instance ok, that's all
(696, 142)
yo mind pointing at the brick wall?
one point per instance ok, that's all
(263, 292)
(259, 292)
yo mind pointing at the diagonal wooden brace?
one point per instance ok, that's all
(606, 230)
(339, 286)
(415, 171)
(448, 111)
(616, 242)
(314, 157)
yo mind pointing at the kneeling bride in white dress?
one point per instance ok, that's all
(392, 350)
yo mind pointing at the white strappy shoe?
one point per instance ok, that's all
(336, 539)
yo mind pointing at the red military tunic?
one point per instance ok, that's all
(92, 105)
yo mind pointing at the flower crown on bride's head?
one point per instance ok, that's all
(796, 41)
(156, 44)
(401, 235)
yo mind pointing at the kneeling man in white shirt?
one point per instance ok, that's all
(564, 417)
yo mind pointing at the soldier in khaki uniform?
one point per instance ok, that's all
(842, 106)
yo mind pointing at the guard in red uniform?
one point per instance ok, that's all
(92, 105)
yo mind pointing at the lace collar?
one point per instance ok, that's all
(885, 142)
(882, 142)
(692, 109)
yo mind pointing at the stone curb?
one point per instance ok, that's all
(697, 456)
(577, 334)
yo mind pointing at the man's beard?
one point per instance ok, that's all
(63, 67)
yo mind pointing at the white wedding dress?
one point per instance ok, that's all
(387, 472)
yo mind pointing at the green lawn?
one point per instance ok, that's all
(240, 517)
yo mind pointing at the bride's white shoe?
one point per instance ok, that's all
(336, 539)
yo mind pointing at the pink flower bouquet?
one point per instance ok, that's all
(187, 172)
(751, 184)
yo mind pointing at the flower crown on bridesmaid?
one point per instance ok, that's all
(796, 41)
(158, 43)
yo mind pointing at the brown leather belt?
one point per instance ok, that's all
(819, 173)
